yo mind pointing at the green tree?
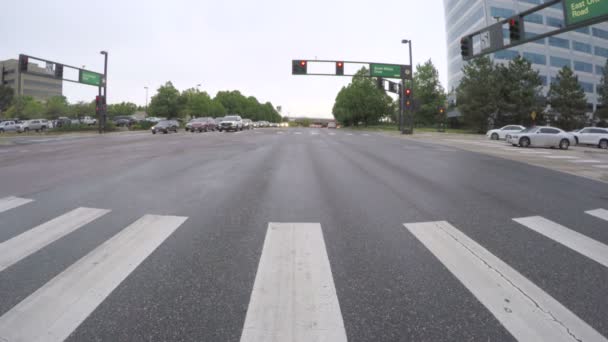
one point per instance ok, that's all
(567, 99)
(477, 93)
(602, 112)
(361, 101)
(216, 109)
(25, 108)
(518, 85)
(6, 97)
(122, 109)
(56, 106)
(82, 109)
(166, 102)
(429, 92)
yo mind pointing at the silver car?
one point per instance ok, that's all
(541, 137)
(9, 126)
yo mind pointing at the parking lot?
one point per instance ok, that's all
(585, 161)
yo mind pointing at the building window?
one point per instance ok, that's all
(543, 80)
(535, 58)
(501, 12)
(506, 54)
(583, 66)
(582, 47)
(555, 22)
(532, 35)
(600, 51)
(559, 42)
(559, 62)
(588, 87)
(35, 83)
(584, 29)
(536, 2)
(534, 18)
(466, 25)
(599, 70)
(558, 6)
(597, 32)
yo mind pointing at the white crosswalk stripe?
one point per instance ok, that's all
(524, 309)
(11, 202)
(578, 242)
(19, 247)
(61, 305)
(294, 297)
(599, 213)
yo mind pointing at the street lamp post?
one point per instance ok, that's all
(146, 101)
(410, 130)
(105, 87)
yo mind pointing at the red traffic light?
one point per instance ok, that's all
(408, 92)
(512, 22)
(340, 64)
(303, 63)
(339, 68)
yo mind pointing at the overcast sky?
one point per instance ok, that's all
(222, 45)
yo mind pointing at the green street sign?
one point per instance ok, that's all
(90, 78)
(579, 11)
(385, 70)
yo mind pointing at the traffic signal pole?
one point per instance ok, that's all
(410, 128)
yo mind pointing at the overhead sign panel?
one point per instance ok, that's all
(89, 77)
(580, 11)
(385, 70)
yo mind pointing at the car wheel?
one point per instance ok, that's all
(494, 136)
(564, 144)
(153, 132)
(165, 132)
(603, 144)
(524, 142)
(26, 129)
(1, 130)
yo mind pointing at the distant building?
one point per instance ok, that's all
(584, 50)
(39, 87)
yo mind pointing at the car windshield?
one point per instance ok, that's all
(530, 130)
(231, 118)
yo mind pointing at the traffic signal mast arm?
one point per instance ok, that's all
(517, 30)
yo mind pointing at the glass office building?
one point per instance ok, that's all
(585, 50)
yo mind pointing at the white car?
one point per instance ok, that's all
(592, 136)
(541, 137)
(33, 125)
(9, 126)
(87, 120)
(501, 133)
(231, 123)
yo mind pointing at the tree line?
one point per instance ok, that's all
(167, 102)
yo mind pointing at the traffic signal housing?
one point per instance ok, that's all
(466, 47)
(380, 83)
(340, 68)
(516, 29)
(23, 61)
(407, 93)
(299, 67)
(59, 70)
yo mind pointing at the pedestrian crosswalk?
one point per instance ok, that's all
(293, 296)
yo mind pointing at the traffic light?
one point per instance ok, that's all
(23, 61)
(380, 83)
(516, 29)
(58, 70)
(100, 104)
(393, 87)
(340, 68)
(441, 111)
(408, 104)
(299, 67)
(408, 93)
(466, 47)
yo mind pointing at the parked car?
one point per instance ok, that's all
(247, 124)
(122, 121)
(231, 123)
(154, 119)
(165, 127)
(501, 133)
(332, 125)
(203, 125)
(218, 121)
(541, 137)
(33, 125)
(63, 121)
(592, 136)
(189, 124)
(9, 126)
(89, 121)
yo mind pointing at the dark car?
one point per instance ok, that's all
(203, 125)
(165, 127)
(122, 121)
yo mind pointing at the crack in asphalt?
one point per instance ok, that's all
(547, 312)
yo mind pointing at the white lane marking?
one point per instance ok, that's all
(57, 308)
(294, 297)
(280, 132)
(365, 135)
(25, 244)
(297, 133)
(578, 242)
(560, 157)
(11, 202)
(599, 213)
(349, 134)
(332, 133)
(601, 166)
(524, 309)
(532, 152)
(585, 161)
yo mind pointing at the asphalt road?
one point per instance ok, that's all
(191, 275)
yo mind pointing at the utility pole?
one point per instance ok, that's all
(146, 100)
(410, 130)
(105, 88)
